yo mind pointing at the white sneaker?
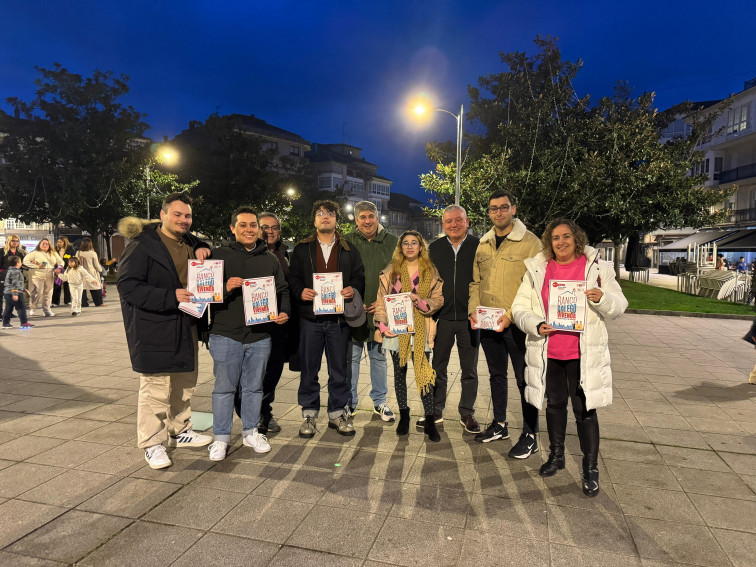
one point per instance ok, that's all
(156, 457)
(189, 438)
(30, 312)
(218, 450)
(257, 441)
(49, 314)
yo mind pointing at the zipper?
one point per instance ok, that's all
(454, 280)
(546, 339)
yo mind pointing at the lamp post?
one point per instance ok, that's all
(420, 108)
(164, 155)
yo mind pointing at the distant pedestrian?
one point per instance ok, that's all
(91, 263)
(564, 365)
(14, 291)
(44, 264)
(162, 339)
(65, 251)
(12, 249)
(741, 266)
(76, 276)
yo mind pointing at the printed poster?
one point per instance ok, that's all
(567, 304)
(400, 313)
(328, 300)
(260, 305)
(488, 317)
(194, 309)
(205, 281)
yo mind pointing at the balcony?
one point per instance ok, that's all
(742, 172)
(745, 215)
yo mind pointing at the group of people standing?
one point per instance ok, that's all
(53, 274)
(508, 268)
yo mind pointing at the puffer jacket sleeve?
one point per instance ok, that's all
(436, 299)
(524, 307)
(380, 308)
(613, 302)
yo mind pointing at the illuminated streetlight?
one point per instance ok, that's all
(164, 155)
(291, 192)
(422, 106)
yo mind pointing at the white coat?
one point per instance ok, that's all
(595, 364)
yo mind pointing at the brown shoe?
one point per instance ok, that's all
(469, 423)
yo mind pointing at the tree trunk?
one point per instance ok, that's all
(617, 244)
(108, 245)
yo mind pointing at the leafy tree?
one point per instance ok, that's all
(72, 156)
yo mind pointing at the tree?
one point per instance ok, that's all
(72, 157)
(601, 165)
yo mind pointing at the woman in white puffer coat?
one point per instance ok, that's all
(568, 364)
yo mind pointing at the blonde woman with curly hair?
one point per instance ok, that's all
(411, 271)
(44, 263)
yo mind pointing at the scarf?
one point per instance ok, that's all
(425, 376)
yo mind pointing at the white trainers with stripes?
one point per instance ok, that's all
(189, 438)
(156, 457)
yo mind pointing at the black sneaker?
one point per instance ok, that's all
(493, 432)
(526, 446)
(267, 424)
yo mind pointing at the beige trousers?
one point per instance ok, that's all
(752, 377)
(42, 289)
(163, 406)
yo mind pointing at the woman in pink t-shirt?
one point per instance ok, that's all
(573, 364)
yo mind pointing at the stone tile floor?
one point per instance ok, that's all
(678, 468)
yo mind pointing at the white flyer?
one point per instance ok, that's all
(567, 305)
(488, 317)
(328, 300)
(205, 281)
(400, 313)
(260, 305)
(193, 309)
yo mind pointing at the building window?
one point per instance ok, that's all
(677, 129)
(717, 167)
(380, 189)
(737, 119)
(270, 146)
(293, 150)
(329, 181)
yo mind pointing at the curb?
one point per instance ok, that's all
(691, 314)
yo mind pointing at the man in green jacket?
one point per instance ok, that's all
(376, 246)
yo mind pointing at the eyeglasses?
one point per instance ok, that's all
(503, 209)
(411, 244)
(322, 213)
(271, 228)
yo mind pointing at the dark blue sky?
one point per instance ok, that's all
(340, 70)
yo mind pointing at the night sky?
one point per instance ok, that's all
(336, 71)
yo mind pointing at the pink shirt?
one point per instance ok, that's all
(563, 345)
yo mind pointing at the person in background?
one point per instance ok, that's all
(44, 264)
(76, 276)
(13, 284)
(411, 271)
(65, 251)
(91, 263)
(741, 266)
(376, 246)
(12, 249)
(561, 364)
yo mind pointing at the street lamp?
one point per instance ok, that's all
(165, 155)
(420, 107)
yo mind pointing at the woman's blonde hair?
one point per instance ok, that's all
(66, 243)
(425, 266)
(8, 241)
(581, 239)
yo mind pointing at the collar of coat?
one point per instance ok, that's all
(379, 236)
(516, 234)
(260, 247)
(344, 244)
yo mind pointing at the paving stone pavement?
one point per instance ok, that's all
(678, 467)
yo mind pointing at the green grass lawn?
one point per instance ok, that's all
(643, 296)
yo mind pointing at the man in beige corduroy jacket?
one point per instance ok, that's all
(497, 274)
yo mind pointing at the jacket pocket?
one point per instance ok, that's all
(157, 332)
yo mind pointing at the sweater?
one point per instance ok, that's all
(14, 281)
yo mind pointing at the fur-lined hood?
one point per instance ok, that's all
(131, 227)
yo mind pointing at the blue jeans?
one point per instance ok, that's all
(378, 368)
(236, 363)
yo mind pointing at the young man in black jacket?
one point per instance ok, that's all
(324, 252)
(240, 352)
(162, 339)
(454, 256)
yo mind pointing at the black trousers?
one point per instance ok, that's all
(96, 297)
(332, 335)
(468, 342)
(563, 383)
(498, 347)
(66, 293)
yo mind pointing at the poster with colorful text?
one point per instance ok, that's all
(400, 313)
(205, 281)
(328, 300)
(567, 305)
(488, 317)
(260, 305)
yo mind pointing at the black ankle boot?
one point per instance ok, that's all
(430, 429)
(556, 425)
(588, 431)
(402, 428)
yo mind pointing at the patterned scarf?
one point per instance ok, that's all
(425, 376)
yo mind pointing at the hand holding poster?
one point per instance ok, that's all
(205, 281)
(567, 305)
(328, 300)
(194, 309)
(260, 305)
(488, 317)
(400, 313)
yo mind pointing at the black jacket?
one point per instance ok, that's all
(457, 273)
(159, 335)
(228, 317)
(303, 262)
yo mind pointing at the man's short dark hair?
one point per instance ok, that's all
(243, 210)
(326, 204)
(183, 197)
(499, 193)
